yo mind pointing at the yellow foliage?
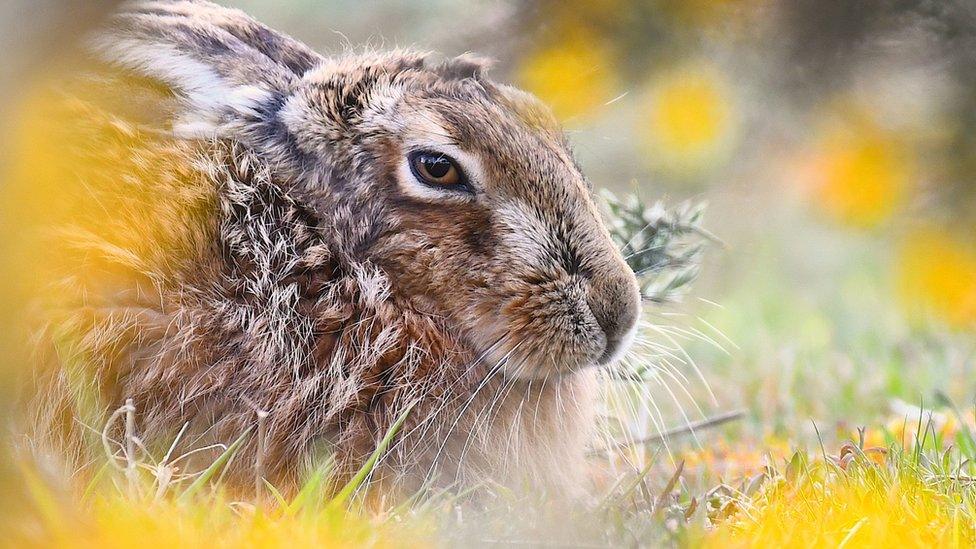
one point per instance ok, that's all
(117, 522)
(937, 277)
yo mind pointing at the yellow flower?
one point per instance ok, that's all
(862, 171)
(573, 74)
(688, 118)
(937, 277)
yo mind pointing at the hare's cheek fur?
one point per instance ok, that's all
(497, 273)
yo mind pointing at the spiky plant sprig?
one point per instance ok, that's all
(664, 246)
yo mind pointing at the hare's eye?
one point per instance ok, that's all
(436, 169)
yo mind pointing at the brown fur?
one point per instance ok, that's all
(246, 240)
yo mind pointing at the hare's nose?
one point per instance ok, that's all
(615, 302)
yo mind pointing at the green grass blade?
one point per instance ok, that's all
(214, 467)
(276, 494)
(343, 496)
(308, 493)
(95, 482)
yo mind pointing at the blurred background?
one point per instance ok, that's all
(835, 145)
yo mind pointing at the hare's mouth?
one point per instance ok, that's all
(551, 345)
(555, 328)
(616, 347)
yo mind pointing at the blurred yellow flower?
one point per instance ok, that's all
(573, 75)
(688, 118)
(861, 171)
(874, 437)
(112, 520)
(937, 277)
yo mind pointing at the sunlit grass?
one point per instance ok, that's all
(109, 518)
(151, 503)
(905, 501)
(915, 494)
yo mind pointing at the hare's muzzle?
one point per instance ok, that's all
(614, 300)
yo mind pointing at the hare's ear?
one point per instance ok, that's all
(279, 48)
(224, 66)
(466, 65)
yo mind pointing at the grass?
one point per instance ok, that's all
(917, 491)
(112, 519)
(145, 504)
(905, 500)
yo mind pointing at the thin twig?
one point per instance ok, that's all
(662, 500)
(106, 442)
(259, 454)
(713, 421)
(130, 445)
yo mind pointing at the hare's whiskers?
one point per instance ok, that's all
(488, 415)
(447, 398)
(446, 438)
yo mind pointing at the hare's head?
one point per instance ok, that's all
(477, 209)
(462, 191)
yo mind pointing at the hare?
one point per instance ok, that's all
(331, 242)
